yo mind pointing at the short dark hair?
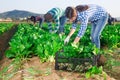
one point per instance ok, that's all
(81, 8)
(33, 18)
(47, 16)
(69, 12)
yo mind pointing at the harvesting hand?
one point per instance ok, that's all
(54, 31)
(74, 45)
(67, 40)
(61, 34)
(50, 31)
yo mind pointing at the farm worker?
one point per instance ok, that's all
(111, 20)
(86, 13)
(58, 16)
(35, 19)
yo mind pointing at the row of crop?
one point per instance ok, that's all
(5, 27)
(111, 36)
(32, 40)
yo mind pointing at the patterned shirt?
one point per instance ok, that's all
(56, 14)
(92, 14)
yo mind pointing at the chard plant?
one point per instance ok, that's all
(30, 40)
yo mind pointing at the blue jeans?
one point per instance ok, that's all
(63, 19)
(40, 23)
(97, 28)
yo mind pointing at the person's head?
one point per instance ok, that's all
(32, 18)
(71, 13)
(81, 8)
(48, 17)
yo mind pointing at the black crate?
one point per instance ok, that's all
(74, 64)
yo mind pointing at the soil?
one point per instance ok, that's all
(33, 69)
(4, 39)
(114, 70)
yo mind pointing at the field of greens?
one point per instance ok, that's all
(30, 41)
(5, 27)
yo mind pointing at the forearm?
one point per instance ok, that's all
(57, 23)
(71, 32)
(49, 26)
(76, 40)
(80, 33)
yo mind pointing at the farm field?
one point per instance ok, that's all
(5, 26)
(31, 54)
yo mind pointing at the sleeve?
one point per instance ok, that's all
(74, 25)
(50, 26)
(83, 26)
(57, 23)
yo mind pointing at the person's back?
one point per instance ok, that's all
(58, 16)
(94, 12)
(56, 12)
(36, 19)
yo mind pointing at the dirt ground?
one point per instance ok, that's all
(4, 39)
(33, 69)
(114, 71)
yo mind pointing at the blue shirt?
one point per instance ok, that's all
(92, 14)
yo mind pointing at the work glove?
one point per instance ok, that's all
(53, 31)
(61, 35)
(50, 31)
(67, 40)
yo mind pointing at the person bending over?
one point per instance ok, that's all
(95, 14)
(58, 16)
(36, 19)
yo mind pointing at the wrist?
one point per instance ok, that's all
(68, 36)
(50, 31)
(55, 31)
(76, 40)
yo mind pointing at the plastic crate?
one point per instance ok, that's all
(74, 64)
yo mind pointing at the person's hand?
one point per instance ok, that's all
(74, 45)
(50, 31)
(67, 40)
(53, 31)
(60, 35)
